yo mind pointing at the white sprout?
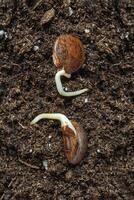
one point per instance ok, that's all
(57, 116)
(60, 88)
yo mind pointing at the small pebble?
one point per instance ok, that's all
(70, 11)
(127, 35)
(7, 36)
(2, 34)
(50, 136)
(66, 89)
(36, 48)
(98, 150)
(86, 100)
(87, 30)
(30, 150)
(122, 36)
(45, 164)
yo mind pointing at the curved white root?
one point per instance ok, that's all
(60, 88)
(57, 116)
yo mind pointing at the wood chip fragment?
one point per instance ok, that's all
(48, 16)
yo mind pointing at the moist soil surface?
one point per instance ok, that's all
(32, 161)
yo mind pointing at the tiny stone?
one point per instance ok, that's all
(122, 36)
(36, 48)
(70, 11)
(50, 136)
(87, 30)
(30, 150)
(66, 89)
(86, 100)
(98, 150)
(6, 35)
(45, 164)
(127, 35)
(2, 34)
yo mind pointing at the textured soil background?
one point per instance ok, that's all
(32, 161)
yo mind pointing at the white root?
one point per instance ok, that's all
(56, 116)
(60, 88)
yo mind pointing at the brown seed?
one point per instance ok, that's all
(48, 16)
(68, 53)
(75, 145)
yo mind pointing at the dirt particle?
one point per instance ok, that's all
(69, 175)
(66, 3)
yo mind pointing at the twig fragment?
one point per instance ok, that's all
(28, 165)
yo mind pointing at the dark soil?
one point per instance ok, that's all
(27, 88)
